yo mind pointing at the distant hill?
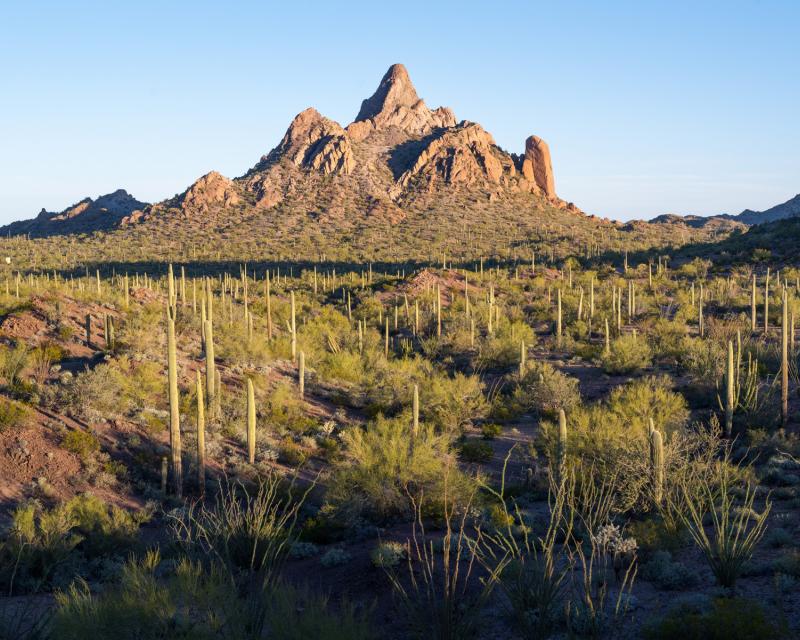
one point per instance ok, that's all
(788, 209)
(86, 216)
(729, 222)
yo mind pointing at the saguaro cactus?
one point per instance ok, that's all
(301, 373)
(88, 326)
(558, 317)
(174, 411)
(562, 443)
(730, 393)
(785, 359)
(211, 366)
(251, 423)
(293, 327)
(523, 357)
(657, 462)
(753, 305)
(201, 435)
(415, 411)
(766, 302)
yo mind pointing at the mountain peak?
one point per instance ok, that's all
(395, 90)
(395, 103)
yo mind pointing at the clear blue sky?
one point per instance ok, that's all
(649, 107)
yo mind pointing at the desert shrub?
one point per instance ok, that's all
(285, 412)
(194, 602)
(545, 389)
(704, 360)
(13, 414)
(381, 464)
(387, 554)
(335, 557)
(38, 542)
(667, 574)
(105, 529)
(666, 338)
(290, 453)
(475, 451)
(635, 403)
(728, 619)
(490, 431)
(628, 354)
(13, 362)
(448, 403)
(97, 393)
(83, 444)
(501, 349)
(244, 529)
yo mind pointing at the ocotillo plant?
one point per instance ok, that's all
(174, 411)
(657, 462)
(201, 435)
(251, 423)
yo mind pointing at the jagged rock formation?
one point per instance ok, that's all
(397, 150)
(395, 103)
(537, 167)
(314, 142)
(85, 216)
(397, 156)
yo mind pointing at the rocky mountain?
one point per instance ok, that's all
(396, 157)
(726, 222)
(788, 209)
(86, 216)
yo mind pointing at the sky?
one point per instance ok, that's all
(648, 107)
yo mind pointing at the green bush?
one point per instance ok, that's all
(628, 354)
(83, 444)
(382, 461)
(545, 390)
(13, 414)
(490, 431)
(476, 451)
(728, 619)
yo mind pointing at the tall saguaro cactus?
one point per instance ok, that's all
(415, 411)
(558, 317)
(785, 358)
(301, 373)
(211, 366)
(657, 462)
(730, 393)
(174, 410)
(293, 326)
(201, 435)
(562, 443)
(251, 423)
